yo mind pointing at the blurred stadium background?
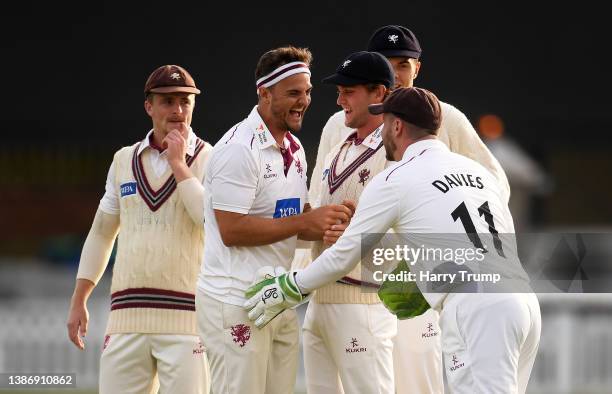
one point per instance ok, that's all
(530, 80)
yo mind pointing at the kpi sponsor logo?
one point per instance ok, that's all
(287, 207)
(128, 188)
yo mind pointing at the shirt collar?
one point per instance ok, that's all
(420, 146)
(373, 140)
(262, 135)
(191, 142)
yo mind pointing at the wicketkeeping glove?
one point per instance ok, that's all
(268, 298)
(403, 299)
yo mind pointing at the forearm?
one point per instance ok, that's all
(98, 247)
(331, 265)
(191, 193)
(248, 230)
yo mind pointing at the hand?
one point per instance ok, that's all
(176, 147)
(403, 299)
(334, 233)
(270, 297)
(350, 204)
(319, 220)
(78, 317)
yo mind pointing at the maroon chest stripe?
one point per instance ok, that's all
(335, 181)
(156, 198)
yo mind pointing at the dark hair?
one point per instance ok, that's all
(372, 86)
(275, 58)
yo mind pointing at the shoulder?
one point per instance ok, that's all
(125, 152)
(335, 124)
(454, 119)
(241, 133)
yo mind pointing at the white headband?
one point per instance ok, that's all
(282, 72)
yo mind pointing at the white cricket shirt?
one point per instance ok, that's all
(404, 198)
(245, 175)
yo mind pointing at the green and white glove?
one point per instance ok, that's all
(270, 297)
(403, 299)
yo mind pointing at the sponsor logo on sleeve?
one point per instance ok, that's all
(287, 207)
(128, 189)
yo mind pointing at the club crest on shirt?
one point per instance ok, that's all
(127, 189)
(287, 207)
(364, 175)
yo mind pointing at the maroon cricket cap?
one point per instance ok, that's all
(417, 106)
(170, 79)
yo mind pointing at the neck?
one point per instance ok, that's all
(409, 142)
(372, 124)
(277, 133)
(158, 137)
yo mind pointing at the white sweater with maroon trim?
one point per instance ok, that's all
(159, 248)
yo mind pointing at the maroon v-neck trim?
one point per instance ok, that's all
(156, 198)
(335, 181)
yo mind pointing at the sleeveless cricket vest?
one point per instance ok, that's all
(159, 249)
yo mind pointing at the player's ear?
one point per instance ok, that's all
(149, 105)
(264, 94)
(417, 67)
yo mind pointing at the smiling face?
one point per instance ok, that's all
(354, 100)
(286, 102)
(406, 70)
(170, 111)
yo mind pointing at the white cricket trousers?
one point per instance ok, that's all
(243, 358)
(489, 341)
(348, 348)
(417, 355)
(143, 363)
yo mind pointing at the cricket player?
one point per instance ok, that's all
(346, 328)
(153, 200)
(489, 338)
(256, 207)
(416, 350)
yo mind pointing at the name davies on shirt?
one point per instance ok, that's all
(450, 181)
